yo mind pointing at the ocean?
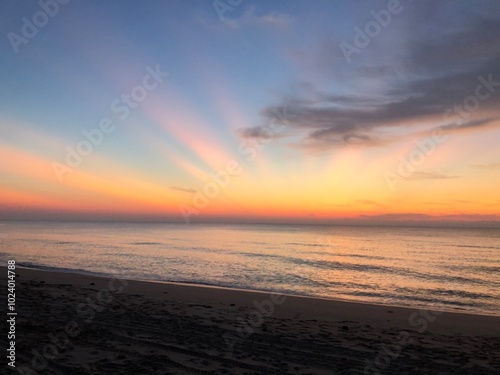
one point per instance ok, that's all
(455, 269)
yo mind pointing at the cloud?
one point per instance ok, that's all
(487, 166)
(467, 219)
(181, 189)
(470, 124)
(398, 217)
(369, 202)
(430, 176)
(275, 20)
(387, 93)
(260, 132)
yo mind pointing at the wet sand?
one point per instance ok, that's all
(75, 324)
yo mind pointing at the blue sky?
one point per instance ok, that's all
(225, 79)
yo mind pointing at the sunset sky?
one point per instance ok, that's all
(300, 113)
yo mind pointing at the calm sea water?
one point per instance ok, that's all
(419, 267)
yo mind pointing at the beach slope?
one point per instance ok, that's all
(77, 324)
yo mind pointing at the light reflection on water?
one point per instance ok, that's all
(398, 266)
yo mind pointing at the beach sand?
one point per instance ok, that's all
(75, 324)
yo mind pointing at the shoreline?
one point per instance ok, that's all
(156, 289)
(201, 285)
(105, 325)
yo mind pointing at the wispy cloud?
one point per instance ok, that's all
(423, 218)
(181, 189)
(275, 20)
(279, 21)
(249, 18)
(487, 166)
(369, 202)
(261, 132)
(431, 176)
(475, 124)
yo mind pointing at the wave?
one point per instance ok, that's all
(462, 294)
(479, 247)
(306, 244)
(59, 269)
(146, 243)
(332, 265)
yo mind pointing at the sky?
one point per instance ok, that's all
(239, 110)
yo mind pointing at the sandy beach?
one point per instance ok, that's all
(76, 324)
